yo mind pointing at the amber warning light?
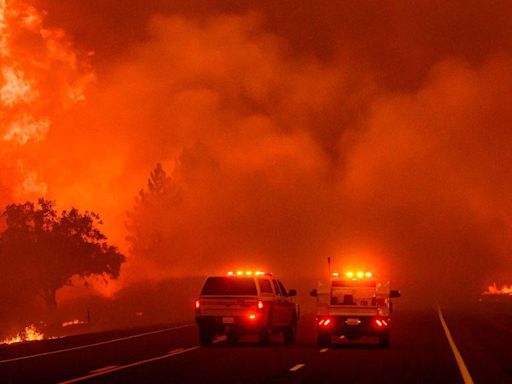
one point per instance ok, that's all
(248, 273)
(354, 275)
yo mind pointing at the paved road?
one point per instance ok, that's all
(420, 353)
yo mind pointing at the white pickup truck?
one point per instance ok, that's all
(246, 302)
(353, 306)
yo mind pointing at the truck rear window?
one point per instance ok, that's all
(220, 286)
(265, 286)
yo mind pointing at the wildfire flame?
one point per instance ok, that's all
(73, 322)
(30, 333)
(494, 290)
(41, 75)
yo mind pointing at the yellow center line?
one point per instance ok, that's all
(296, 367)
(104, 369)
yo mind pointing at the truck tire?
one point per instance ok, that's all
(324, 339)
(266, 331)
(264, 337)
(205, 336)
(384, 340)
(232, 338)
(290, 332)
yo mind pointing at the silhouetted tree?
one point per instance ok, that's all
(146, 220)
(43, 250)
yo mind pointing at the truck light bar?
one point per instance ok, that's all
(354, 276)
(249, 273)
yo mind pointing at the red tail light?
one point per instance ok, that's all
(198, 304)
(325, 322)
(380, 323)
(252, 317)
(260, 304)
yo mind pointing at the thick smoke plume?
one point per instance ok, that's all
(375, 134)
(41, 77)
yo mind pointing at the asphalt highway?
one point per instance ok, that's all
(420, 352)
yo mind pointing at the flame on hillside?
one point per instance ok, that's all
(73, 322)
(494, 290)
(30, 333)
(41, 75)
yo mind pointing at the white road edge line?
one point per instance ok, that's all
(175, 350)
(296, 367)
(324, 350)
(95, 344)
(121, 367)
(466, 377)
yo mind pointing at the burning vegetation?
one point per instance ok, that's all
(41, 75)
(494, 290)
(74, 322)
(30, 333)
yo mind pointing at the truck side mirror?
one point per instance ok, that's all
(313, 293)
(394, 293)
(292, 292)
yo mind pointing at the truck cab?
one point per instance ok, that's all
(353, 306)
(246, 302)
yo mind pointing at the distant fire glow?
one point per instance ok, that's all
(30, 333)
(73, 322)
(494, 290)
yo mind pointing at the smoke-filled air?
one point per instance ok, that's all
(199, 137)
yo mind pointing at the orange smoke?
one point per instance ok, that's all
(341, 135)
(279, 159)
(40, 76)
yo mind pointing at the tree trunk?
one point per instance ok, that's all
(50, 297)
